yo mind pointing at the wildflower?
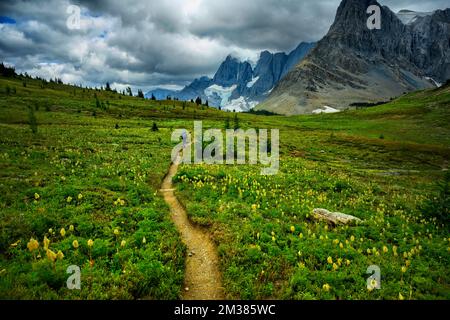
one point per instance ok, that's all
(385, 249)
(144, 241)
(32, 245)
(326, 287)
(404, 269)
(400, 297)
(80, 196)
(62, 232)
(339, 262)
(335, 266)
(116, 232)
(330, 260)
(75, 244)
(372, 285)
(301, 235)
(122, 202)
(71, 228)
(90, 243)
(46, 243)
(36, 196)
(254, 206)
(407, 263)
(51, 255)
(123, 243)
(59, 255)
(347, 262)
(273, 238)
(292, 229)
(341, 245)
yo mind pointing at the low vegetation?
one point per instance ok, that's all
(81, 169)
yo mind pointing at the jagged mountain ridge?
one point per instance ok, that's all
(355, 64)
(238, 86)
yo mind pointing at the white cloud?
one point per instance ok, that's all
(148, 43)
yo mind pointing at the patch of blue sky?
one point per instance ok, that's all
(7, 20)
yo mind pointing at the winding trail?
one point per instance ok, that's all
(203, 280)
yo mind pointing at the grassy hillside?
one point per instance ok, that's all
(93, 167)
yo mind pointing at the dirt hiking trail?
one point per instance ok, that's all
(203, 280)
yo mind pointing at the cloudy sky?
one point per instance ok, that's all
(157, 43)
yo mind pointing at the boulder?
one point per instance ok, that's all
(334, 217)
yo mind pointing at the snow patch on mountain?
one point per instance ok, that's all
(325, 109)
(223, 93)
(408, 16)
(437, 84)
(240, 104)
(251, 83)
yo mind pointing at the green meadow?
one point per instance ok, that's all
(82, 168)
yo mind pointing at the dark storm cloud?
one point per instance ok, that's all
(168, 42)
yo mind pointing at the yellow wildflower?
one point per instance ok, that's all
(62, 232)
(404, 269)
(60, 255)
(51, 255)
(75, 244)
(123, 243)
(69, 199)
(400, 297)
(385, 249)
(32, 245)
(352, 238)
(373, 284)
(90, 243)
(144, 241)
(71, 228)
(330, 260)
(335, 266)
(292, 229)
(301, 235)
(326, 287)
(46, 243)
(116, 232)
(36, 196)
(80, 196)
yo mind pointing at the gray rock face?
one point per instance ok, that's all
(355, 64)
(195, 89)
(237, 85)
(232, 72)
